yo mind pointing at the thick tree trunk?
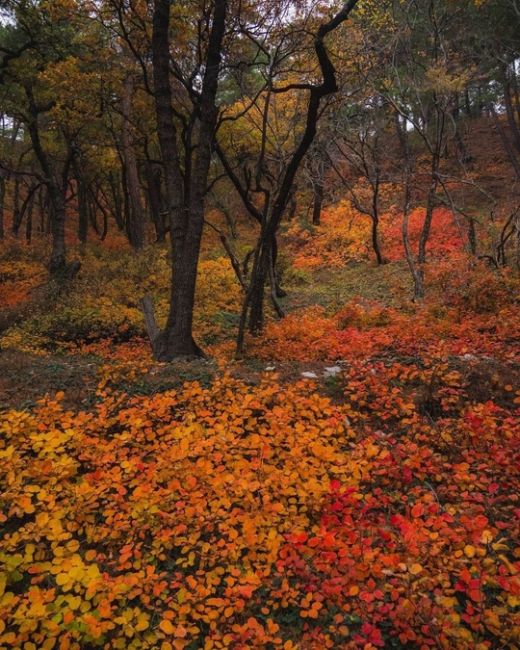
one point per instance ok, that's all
(92, 212)
(135, 220)
(185, 204)
(41, 210)
(415, 269)
(259, 278)
(176, 339)
(58, 260)
(432, 192)
(153, 186)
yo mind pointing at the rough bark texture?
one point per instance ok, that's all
(83, 207)
(185, 193)
(153, 185)
(135, 218)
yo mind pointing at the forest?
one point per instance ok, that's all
(259, 324)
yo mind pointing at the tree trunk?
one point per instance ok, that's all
(55, 193)
(29, 219)
(186, 208)
(259, 278)
(432, 191)
(115, 190)
(262, 267)
(317, 203)
(135, 221)
(176, 340)
(153, 186)
(511, 153)
(17, 213)
(375, 240)
(510, 113)
(415, 270)
(83, 207)
(425, 231)
(2, 200)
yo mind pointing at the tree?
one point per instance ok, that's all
(283, 77)
(185, 188)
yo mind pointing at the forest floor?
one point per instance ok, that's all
(352, 482)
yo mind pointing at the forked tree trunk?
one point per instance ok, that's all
(185, 204)
(263, 267)
(55, 193)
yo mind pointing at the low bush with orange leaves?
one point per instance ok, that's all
(240, 516)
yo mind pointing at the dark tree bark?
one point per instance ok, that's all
(135, 213)
(82, 202)
(185, 194)
(98, 203)
(55, 192)
(317, 202)
(2, 202)
(117, 199)
(510, 111)
(254, 300)
(17, 213)
(29, 218)
(25, 208)
(153, 186)
(435, 152)
(92, 212)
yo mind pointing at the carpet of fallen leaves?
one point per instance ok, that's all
(238, 515)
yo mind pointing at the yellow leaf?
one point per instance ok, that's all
(487, 536)
(142, 622)
(166, 626)
(415, 569)
(62, 579)
(469, 550)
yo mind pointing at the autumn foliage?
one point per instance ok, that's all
(266, 516)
